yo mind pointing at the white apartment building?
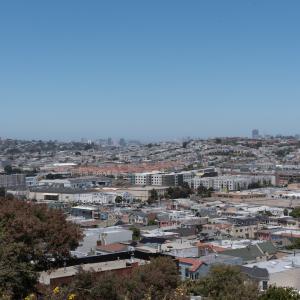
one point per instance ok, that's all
(230, 182)
(207, 182)
(142, 178)
(163, 179)
(157, 179)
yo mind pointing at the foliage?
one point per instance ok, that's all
(157, 280)
(54, 176)
(295, 244)
(283, 152)
(119, 199)
(202, 191)
(33, 237)
(266, 213)
(136, 233)
(153, 196)
(45, 233)
(17, 276)
(295, 213)
(10, 170)
(183, 191)
(152, 222)
(280, 293)
(225, 282)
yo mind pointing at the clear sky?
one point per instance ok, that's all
(149, 69)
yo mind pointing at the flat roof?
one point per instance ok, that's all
(45, 276)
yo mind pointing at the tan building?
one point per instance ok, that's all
(144, 192)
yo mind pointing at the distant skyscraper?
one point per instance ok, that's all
(109, 141)
(255, 133)
(122, 142)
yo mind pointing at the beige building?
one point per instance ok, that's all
(143, 193)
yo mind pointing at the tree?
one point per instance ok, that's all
(92, 286)
(202, 191)
(152, 222)
(119, 199)
(35, 238)
(17, 275)
(183, 191)
(295, 244)
(285, 212)
(45, 232)
(295, 212)
(157, 280)
(136, 233)
(8, 170)
(225, 282)
(280, 293)
(153, 196)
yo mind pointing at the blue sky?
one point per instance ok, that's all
(154, 69)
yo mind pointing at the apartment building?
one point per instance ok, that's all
(163, 179)
(230, 182)
(207, 182)
(142, 178)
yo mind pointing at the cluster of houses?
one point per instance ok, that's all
(197, 234)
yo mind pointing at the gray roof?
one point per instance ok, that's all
(255, 273)
(251, 252)
(88, 179)
(59, 190)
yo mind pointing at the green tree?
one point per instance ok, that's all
(136, 233)
(17, 275)
(225, 282)
(280, 293)
(156, 280)
(153, 196)
(152, 222)
(295, 213)
(295, 244)
(202, 191)
(8, 170)
(92, 286)
(119, 199)
(183, 191)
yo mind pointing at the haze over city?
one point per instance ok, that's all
(148, 70)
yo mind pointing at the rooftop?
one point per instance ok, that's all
(45, 276)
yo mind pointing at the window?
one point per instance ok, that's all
(265, 285)
(187, 273)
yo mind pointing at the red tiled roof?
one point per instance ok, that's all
(195, 263)
(210, 246)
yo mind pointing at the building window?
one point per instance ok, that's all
(187, 273)
(265, 285)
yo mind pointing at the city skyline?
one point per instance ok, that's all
(148, 71)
